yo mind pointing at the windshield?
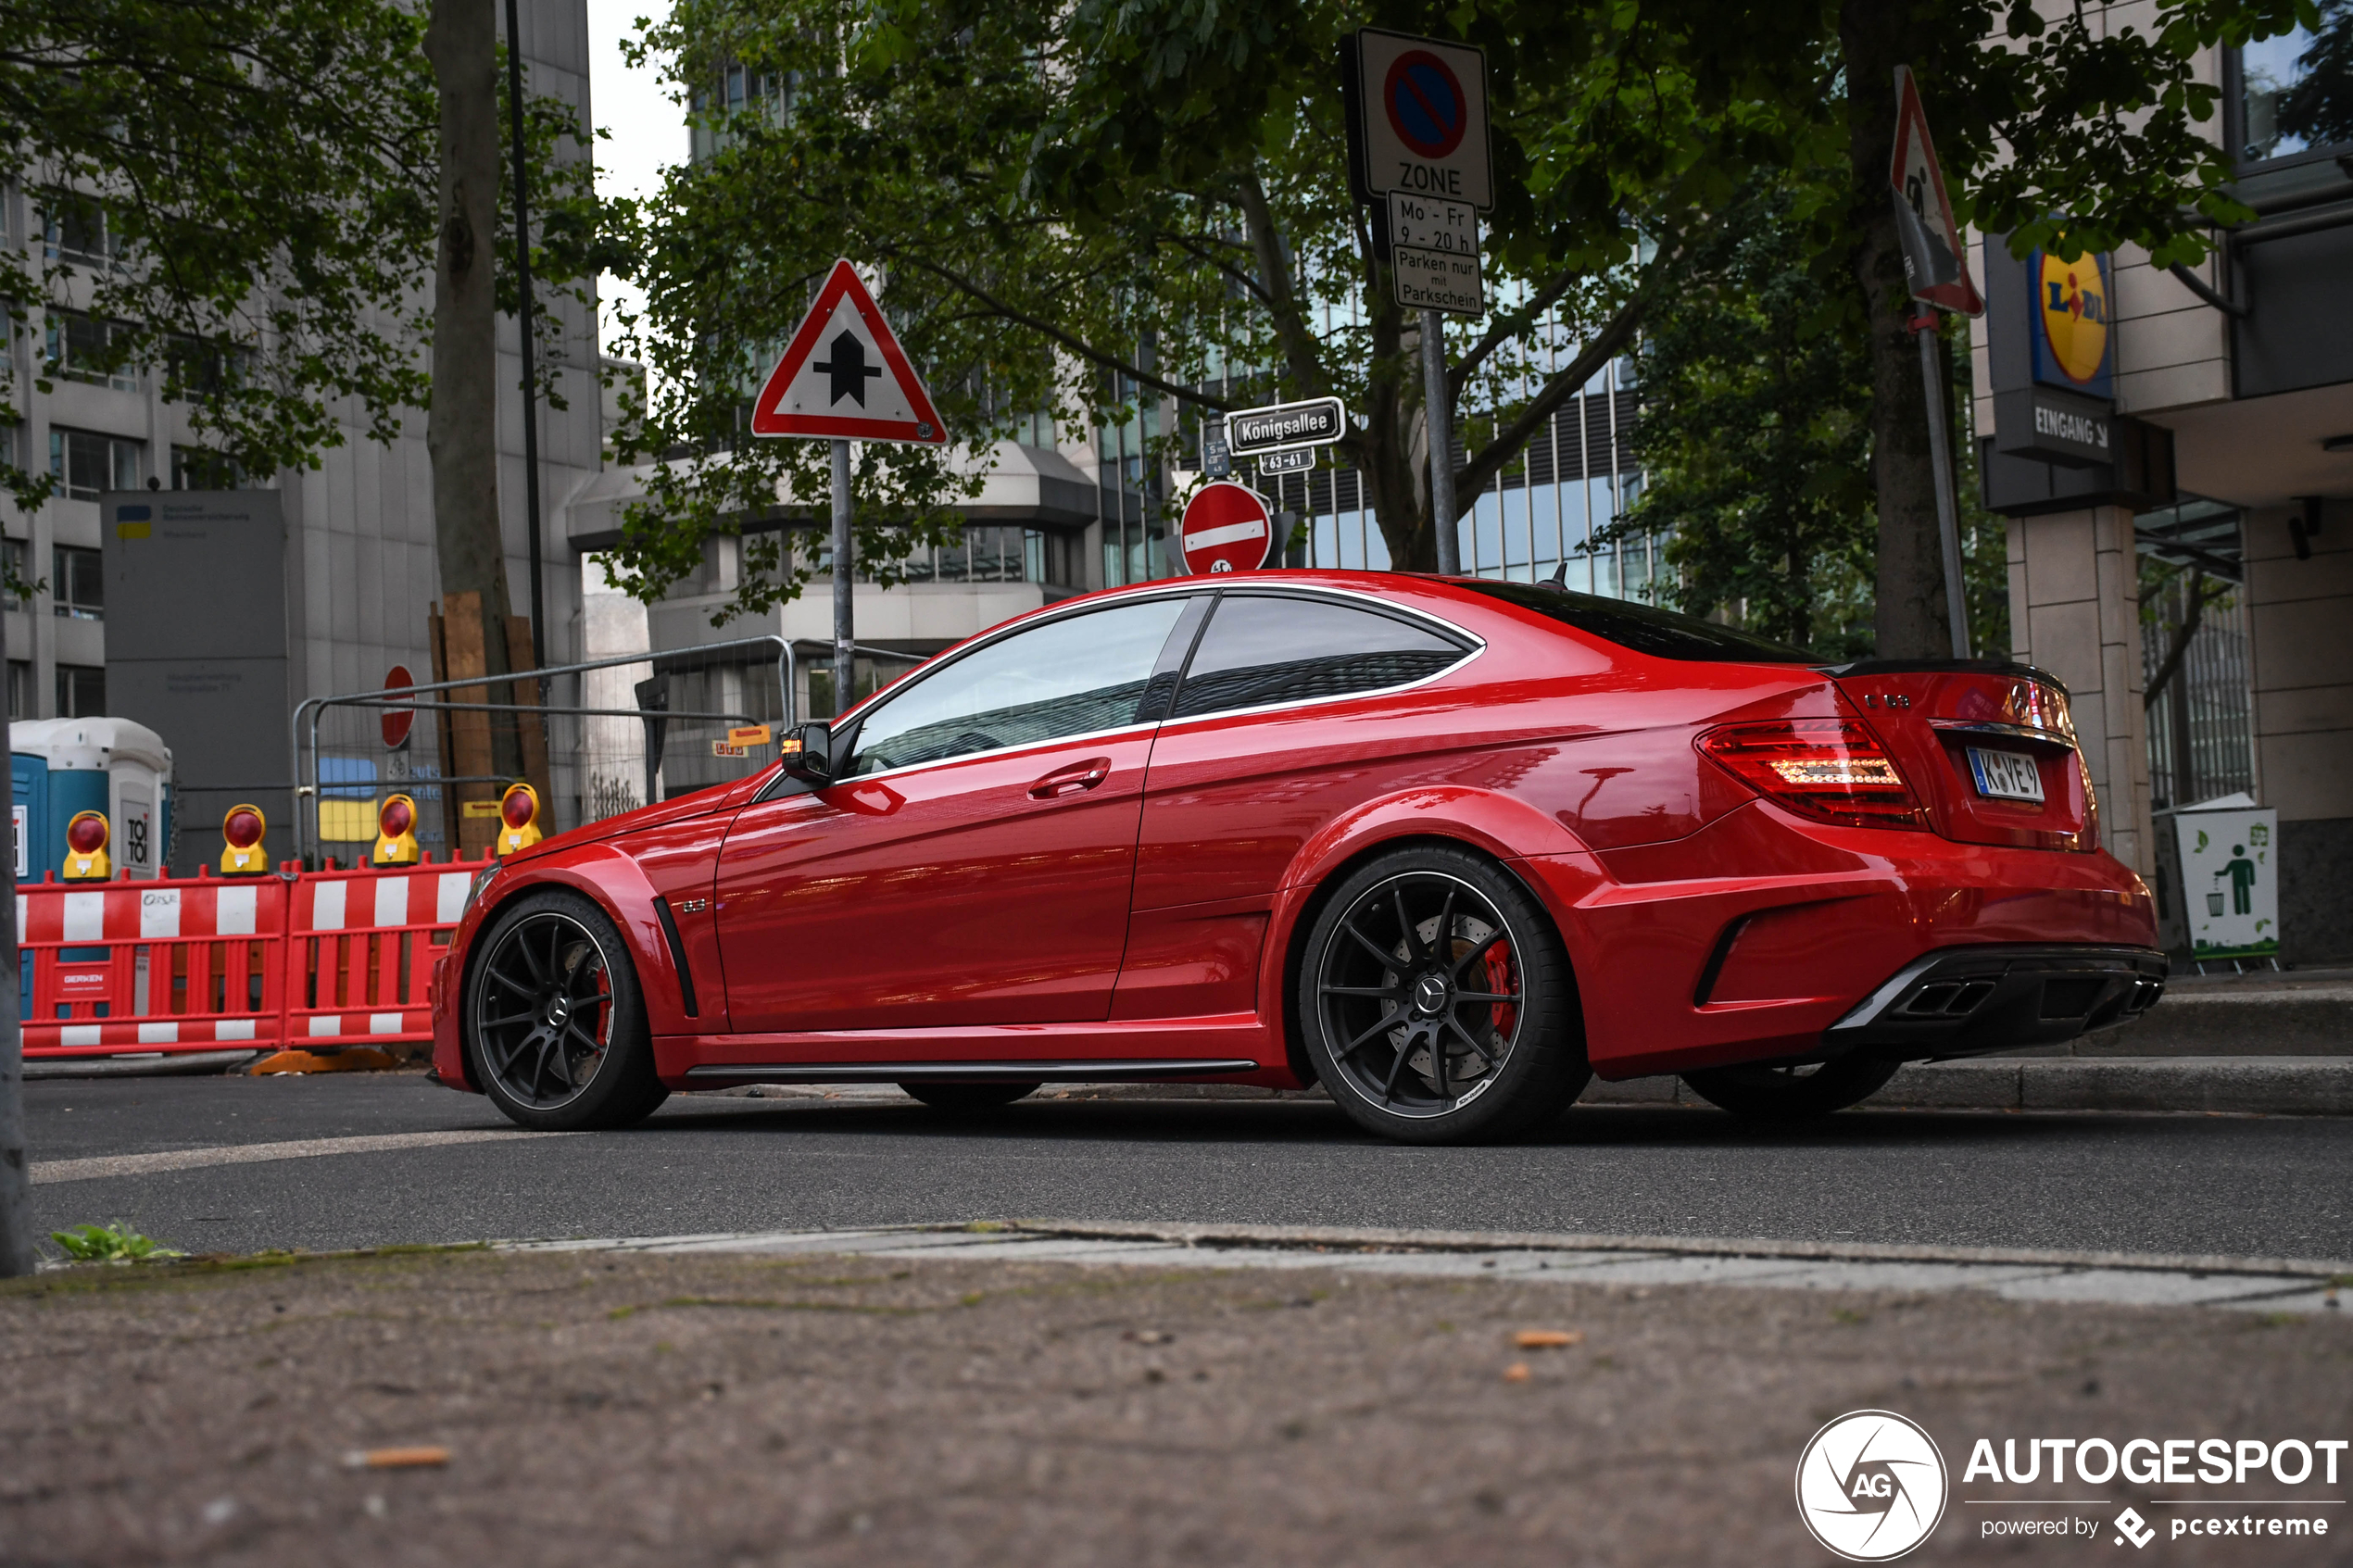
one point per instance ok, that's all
(1662, 633)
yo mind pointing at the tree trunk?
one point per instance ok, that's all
(1392, 456)
(1875, 36)
(461, 429)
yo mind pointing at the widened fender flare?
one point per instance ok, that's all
(613, 880)
(1505, 829)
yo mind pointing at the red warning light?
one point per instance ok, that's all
(520, 806)
(243, 829)
(397, 817)
(87, 833)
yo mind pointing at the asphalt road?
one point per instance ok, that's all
(2275, 1188)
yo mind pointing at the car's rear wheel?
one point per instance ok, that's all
(1791, 1094)
(555, 1025)
(1437, 1001)
(968, 1100)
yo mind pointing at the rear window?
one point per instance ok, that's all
(1662, 633)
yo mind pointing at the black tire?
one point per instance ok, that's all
(538, 1063)
(968, 1100)
(1791, 1094)
(1392, 1021)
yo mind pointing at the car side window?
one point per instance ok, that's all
(1068, 677)
(1263, 648)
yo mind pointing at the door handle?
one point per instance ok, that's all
(1071, 780)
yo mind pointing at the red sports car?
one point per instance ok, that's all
(1449, 846)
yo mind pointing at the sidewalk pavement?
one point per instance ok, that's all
(624, 1408)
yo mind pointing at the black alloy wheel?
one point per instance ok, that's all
(1437, 1001)
(967, 1098)
(555, 1026)
(1764, 1093)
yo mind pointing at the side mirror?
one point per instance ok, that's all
(808, 753)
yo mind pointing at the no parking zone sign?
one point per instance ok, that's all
(1420, 125)
(1228, 527)
(1417, 151)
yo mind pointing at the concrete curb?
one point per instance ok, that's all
(2242, 1086)
(2250, 1086)
(169, 1064)
(2208, 1018)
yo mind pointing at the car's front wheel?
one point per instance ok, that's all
(1437, 1001)
(1791, 1094)
(555, 1025)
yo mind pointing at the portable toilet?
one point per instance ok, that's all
(62, 767)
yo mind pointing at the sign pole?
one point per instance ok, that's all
(845, 633)
(1441, 422)
(1940, 455)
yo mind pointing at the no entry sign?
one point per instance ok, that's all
(398, 720)
(1227, 528)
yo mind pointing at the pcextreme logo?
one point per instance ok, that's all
(1870, 1485)
(2070, 299)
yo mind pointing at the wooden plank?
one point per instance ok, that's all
(532, 727)
(463, 645)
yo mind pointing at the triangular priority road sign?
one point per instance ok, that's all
(1936, 265)
(844, 376)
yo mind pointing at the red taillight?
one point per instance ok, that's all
(1829, 768)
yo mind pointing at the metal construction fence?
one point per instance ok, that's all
(595, 739)
(316, 960)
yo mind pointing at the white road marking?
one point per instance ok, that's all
(99, 1167)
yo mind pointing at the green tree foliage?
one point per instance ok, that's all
(1087, 206)
(1755, 442)
(1755, 435)
(240, 195)
(241, 190)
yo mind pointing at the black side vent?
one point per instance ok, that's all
(677, 956)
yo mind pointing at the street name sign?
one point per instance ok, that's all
(1421, 117)
(1291, 460)
(1934, 268)
(844, 377)
(1228, 527)
(1314, 422)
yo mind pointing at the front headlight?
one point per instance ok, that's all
(482, 880)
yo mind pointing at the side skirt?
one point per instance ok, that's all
(962, 1071)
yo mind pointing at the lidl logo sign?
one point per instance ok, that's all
(2074, 330)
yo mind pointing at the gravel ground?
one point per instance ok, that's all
(680, 1409)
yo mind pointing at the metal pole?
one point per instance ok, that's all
(1940, 455)
(17, 1253)
(530, 387)
(1440, 411)
(845, 640)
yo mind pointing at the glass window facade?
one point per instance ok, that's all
(2296, 91)
(77, 584)
(86, 464)
(78, 346)
(81, 690)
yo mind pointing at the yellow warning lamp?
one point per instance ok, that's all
(518, 818)
(86, 849)
(395, 833)
(245, 855)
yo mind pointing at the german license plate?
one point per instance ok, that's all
(2007, 775)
